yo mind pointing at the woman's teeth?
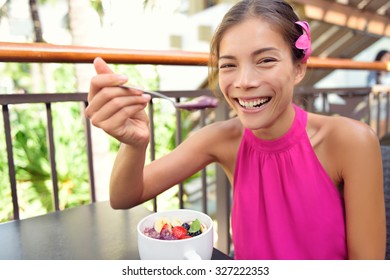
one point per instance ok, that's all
(255, 103)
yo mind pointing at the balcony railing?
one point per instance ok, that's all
(312, 99)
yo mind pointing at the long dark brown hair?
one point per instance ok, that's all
(378, 57)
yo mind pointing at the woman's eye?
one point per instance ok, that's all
(267, 60)
(226, 65)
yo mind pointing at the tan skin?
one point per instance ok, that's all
(256, 68)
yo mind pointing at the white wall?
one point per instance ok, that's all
(354, 78)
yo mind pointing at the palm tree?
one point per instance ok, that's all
(84, 22)
(36, 21)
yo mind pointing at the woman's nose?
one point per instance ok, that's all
(247, 78)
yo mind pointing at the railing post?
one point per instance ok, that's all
(223, 194)
(179, 137)
(378, 114)
(152, 144)
(387, 113)
(88, 137)
(369, 104)
(52, 158)
(204, 170)
(11, 163)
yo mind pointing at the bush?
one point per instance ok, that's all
(32, 165)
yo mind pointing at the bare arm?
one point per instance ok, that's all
(126, 181)
(197, 151)
(361, 169)
(120, 113)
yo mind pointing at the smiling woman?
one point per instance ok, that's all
(305, 186)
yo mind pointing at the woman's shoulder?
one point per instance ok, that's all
(220, 140)
(342, 131)
(217, 135)
(230, 128)
(343, 145)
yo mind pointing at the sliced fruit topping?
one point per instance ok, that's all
(203, 228)
(194, 228)
(186, 226)
(176, 222)
(173, 229)
(160, 222)
(186, 236)
(179, 232)
(166, 227)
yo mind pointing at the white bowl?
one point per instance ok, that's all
(198, 247)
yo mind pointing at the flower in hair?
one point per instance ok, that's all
(303, 41)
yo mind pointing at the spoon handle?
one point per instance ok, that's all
(153, 93)
(199, 103)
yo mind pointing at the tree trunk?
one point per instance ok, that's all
(36, 21)
(39, 71)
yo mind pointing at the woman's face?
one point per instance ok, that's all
(257, 75)
(386, 57)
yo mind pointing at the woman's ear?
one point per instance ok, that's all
(300, 71)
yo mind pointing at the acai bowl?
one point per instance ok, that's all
(161, 235)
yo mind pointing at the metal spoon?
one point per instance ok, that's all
(198, 103)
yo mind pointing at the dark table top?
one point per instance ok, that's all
(89, 232)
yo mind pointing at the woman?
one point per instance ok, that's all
(380, 77)
(305, 186)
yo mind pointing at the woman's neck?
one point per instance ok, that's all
(278, 128)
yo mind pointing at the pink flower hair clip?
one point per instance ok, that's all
(303, 42)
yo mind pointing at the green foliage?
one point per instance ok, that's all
(71, 157)
(65, 77)
(98, 6)
(32, 170)
(32, 164)
(5, 188)
(31, 154)
(20, 73)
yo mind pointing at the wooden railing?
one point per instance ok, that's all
(33, 52)
(45, 53)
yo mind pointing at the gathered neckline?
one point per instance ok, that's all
(284, 142)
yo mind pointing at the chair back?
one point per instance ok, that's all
(386, 182)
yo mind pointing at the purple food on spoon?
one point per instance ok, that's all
(198, 103)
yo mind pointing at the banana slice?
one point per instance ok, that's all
(203, 227)
(176, 222)
(160, 222)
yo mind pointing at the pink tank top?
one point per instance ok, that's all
(285, 206)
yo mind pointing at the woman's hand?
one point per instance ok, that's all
(118, 111)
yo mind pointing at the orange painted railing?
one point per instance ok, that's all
(34, 52)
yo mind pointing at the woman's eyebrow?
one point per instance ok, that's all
(226, 57)
(263, 50)
(256, 52)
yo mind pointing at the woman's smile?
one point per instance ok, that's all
(253, 103)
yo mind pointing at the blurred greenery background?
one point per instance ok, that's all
(31, 156)
(28, 121)
(28, 127)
